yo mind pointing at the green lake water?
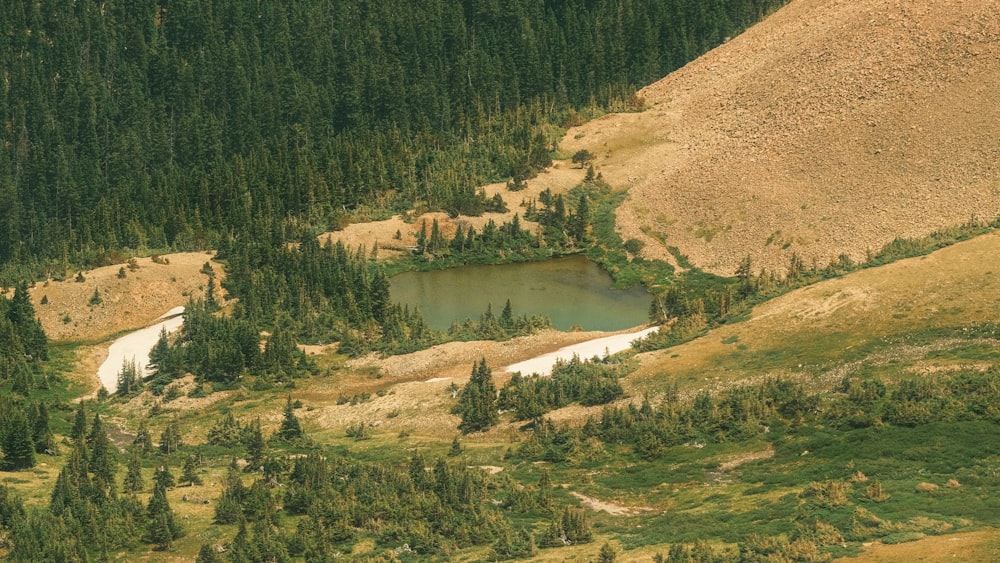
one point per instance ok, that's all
(571, 291)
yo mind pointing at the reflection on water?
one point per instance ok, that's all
(571, 291)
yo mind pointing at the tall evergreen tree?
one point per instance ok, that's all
(477, 402)
(16, 441)
(290, 427)
(134, 481)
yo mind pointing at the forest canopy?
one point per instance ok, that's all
(147, 124)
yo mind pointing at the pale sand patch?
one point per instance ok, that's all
(135, 346)
(542, 365)
(611, 508)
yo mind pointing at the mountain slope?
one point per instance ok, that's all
(831, 127)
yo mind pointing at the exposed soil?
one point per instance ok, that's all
(611, 508)
(128, 303)
(982, 545)
(830, 127)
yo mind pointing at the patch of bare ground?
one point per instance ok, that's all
(412, 392)
(830, 127)
(128, 303)
(723, 475)
(732, 462)
(982, 545)
(560, 178)
(454, 360)
(611, 508)
(138, 407)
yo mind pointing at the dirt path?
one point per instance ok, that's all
(611, 508)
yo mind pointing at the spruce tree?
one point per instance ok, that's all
(79, 431)
(17, 444)
(22, 314)
(134, 482)
(102, 460)
(163, 478)
(190, 472)
(255, 445)
(143, 441)
(290, 427)
(162, 528)
(41, 433)
(170, 438)
(477, 403)
(207, 554)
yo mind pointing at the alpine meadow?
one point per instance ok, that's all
(206, 208)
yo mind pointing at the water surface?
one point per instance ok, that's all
(571, 291)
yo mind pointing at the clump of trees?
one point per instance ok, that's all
(477, 402)
(592, 382)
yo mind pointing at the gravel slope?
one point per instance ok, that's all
(831, 127)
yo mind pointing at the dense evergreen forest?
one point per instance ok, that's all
(136, 125)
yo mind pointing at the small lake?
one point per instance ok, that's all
(571, 291)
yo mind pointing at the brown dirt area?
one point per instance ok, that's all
(128, 304)
(416, 386)
(611, 508)
(830, 127)
(983, 545)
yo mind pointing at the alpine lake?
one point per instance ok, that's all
(572, 291)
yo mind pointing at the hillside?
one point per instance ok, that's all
(831, 127)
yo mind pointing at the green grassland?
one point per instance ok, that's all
(802, 486)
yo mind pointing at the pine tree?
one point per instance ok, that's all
(290, 427)
(190, 472)
(134, 482)
(143, 440)
(170, 439)
(17, 445)
(477, 403)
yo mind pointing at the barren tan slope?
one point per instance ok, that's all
(128, 303)
(828, 330)
(831, 127)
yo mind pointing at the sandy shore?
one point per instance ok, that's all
(542, 365)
